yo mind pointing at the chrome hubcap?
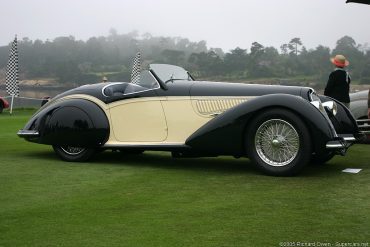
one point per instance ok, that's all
(72, 150)
(277, 142)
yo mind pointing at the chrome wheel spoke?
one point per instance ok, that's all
(277, 142)
(72, 150)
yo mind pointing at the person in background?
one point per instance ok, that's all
(104, 79)
(339, 81)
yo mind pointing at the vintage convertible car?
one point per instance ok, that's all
(3, 104)
(359, 108)
(279, 128)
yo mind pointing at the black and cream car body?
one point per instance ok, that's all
(279, 128)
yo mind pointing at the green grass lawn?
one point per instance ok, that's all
(154, 200)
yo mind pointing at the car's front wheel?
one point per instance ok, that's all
(73, 154)
(278, 142)
(1, 107)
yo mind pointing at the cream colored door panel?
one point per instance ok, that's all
(182, 120)
(139, 121)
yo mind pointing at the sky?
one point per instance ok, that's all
(223, 24)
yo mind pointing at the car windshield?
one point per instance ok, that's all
(168, 73)
(144, 81)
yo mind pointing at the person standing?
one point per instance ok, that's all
(339, 81)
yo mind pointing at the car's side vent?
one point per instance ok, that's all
(217, 106)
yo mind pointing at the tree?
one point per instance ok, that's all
(66, 59)
(317, 63)
(173, 57)
(236, 60)
(256, 65)
(347, 46)
(293, 45)
(205, 64)
(256, 49)
(284, 49)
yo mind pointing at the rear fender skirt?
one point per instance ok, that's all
(76, 122)
(225, 134)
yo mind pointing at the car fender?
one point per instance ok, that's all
(225, 133)
(344, 122)
(77, 122)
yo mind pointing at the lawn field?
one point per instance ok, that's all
(154, 200)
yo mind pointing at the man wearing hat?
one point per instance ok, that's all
(339, 80)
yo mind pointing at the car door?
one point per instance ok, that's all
(181, 118)
(138, 116)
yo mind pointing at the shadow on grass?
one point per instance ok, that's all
(163, 160)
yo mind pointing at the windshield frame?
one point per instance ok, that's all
(170, 77)
(158, 86)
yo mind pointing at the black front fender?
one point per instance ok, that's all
(76, 122)
(225, 134)
(344, 122)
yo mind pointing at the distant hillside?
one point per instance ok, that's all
(66, 60)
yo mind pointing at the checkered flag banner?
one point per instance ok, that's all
(136, 69)
(12, 71)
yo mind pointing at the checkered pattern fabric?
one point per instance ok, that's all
(12, 71)
(136, 69)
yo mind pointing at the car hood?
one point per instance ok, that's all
(206, 88)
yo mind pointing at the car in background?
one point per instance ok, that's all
(3, 104)
(359, 108)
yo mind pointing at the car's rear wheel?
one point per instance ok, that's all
(278, 142)
(69, 153)
(1, 107)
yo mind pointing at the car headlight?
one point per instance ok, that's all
(318, 104)
(315, 100)
(331, 107)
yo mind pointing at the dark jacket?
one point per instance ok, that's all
(338, 85)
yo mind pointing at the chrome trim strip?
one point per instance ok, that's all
(334, 146)
(23, 133)
(144, 145)
(349, 139)
(110, 84)
(362, 120)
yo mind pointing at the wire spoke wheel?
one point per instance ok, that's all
(72, 153)
(277, 142)
(72, 150)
